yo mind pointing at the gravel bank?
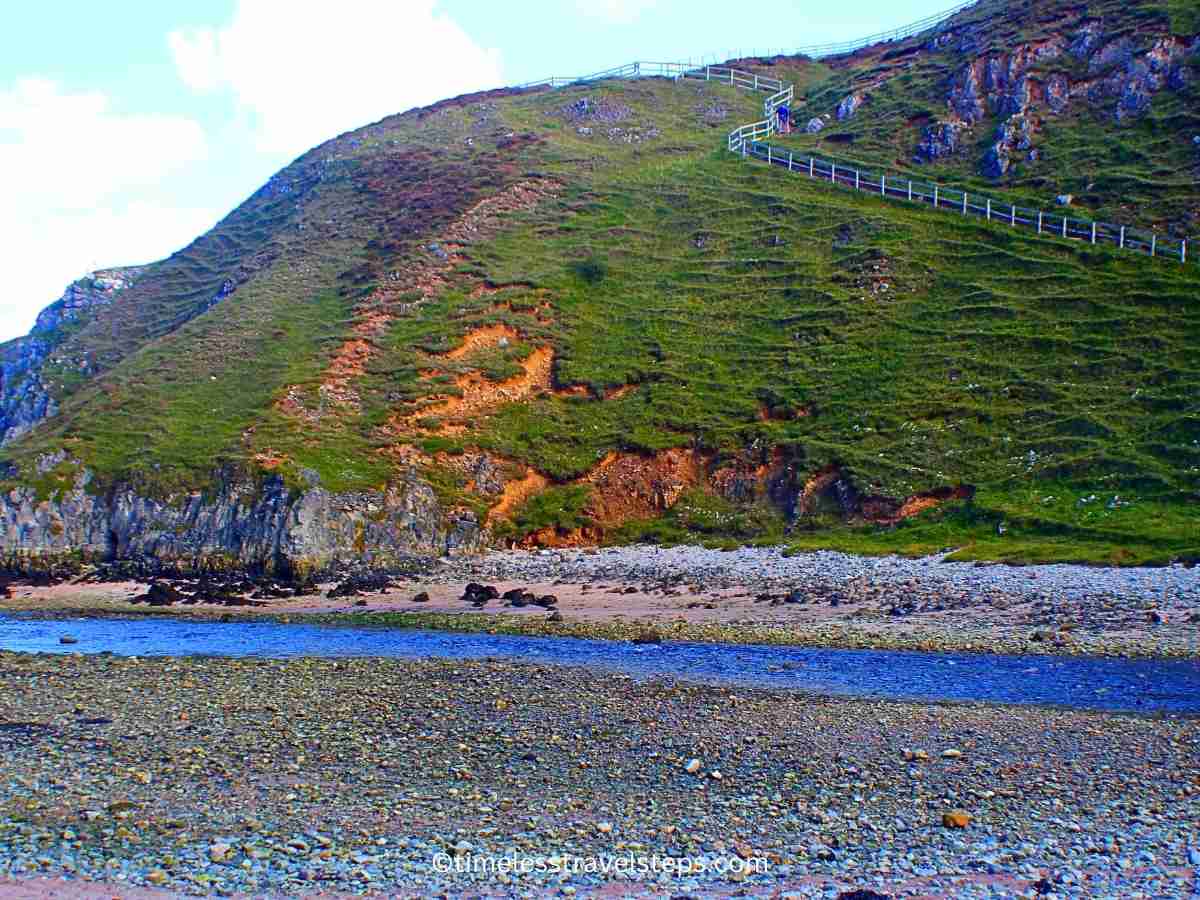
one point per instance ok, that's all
(281, 778)
(769, 568)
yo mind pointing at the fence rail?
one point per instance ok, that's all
(751, 141)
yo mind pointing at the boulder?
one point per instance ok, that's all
(479, 594)
(849, 106)
(160, 594)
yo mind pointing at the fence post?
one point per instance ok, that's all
(883, 185)
(857, 180)
(936, 204)
(1064, 226)
(1093, 232)
(1122, 244)
(1183, 251)
(770, 161)
(964, 203)
(833, 172)
(731, 76)
(756, 82)
(1040, 215)
(1014, 216)
(910, 191)
(708, 73)
(1153, 243)
(812, 167)
(789, 160)
(989, 210)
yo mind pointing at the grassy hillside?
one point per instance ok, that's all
(1144, 171)
(560, 282)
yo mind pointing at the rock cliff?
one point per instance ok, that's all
(245, 524)
(25, 397)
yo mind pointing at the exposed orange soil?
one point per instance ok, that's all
(480, 395)
(269, 460)
(767, 414)
(883, 511)
(483, 339)
(426, 277)
(516, 493)
(477, 394)
(629, 486)
(916, 506)
(618, 392)
(625, 486)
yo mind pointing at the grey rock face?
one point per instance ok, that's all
(240, 523)
(967, 98)
(1117, 53)
(849, 106)
(24, 398)
(1086, 39)
(1014, 136)
(938, 141)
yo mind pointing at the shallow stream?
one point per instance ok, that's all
(1080, 682)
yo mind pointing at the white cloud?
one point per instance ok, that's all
(615, 12)
(308, 72)
(77, 182)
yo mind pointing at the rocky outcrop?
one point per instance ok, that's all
(1013, 86)
(941, 139)
(999, 84)
(1139, 77)
(240, 524)
(24, 397)
(1014, 137)
(1086, 39)
(849, 106)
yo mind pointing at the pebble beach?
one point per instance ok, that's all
(283, 778)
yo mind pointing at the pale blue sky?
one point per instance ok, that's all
(127, 128)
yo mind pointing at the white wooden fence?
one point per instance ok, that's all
(962, 202)
(751, 141)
